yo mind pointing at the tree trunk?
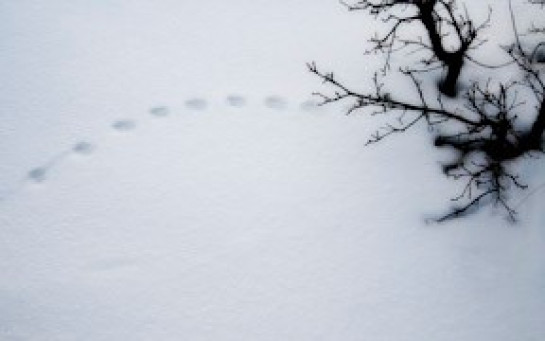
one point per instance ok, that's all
(454, 68)
(452, 60)
(536, 133)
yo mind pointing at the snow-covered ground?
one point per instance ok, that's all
(166, 176)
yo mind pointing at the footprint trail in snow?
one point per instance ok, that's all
(40, 173)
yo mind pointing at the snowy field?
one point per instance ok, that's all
(166, 175)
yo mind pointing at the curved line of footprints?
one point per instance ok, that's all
(39, 174)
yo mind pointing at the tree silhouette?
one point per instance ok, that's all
(450, 33)
(491, 126)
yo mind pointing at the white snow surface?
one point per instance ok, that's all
(165, 176)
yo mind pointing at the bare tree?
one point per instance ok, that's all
(483, 127)
(538, 54)
(442, 20)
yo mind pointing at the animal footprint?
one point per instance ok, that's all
(309, 105)
(275, 102)
(236, 101)
(83, 148)
(196, 104)
(159, 111)
(124, 125)
(37, 174)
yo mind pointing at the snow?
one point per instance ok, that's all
(166, 176)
